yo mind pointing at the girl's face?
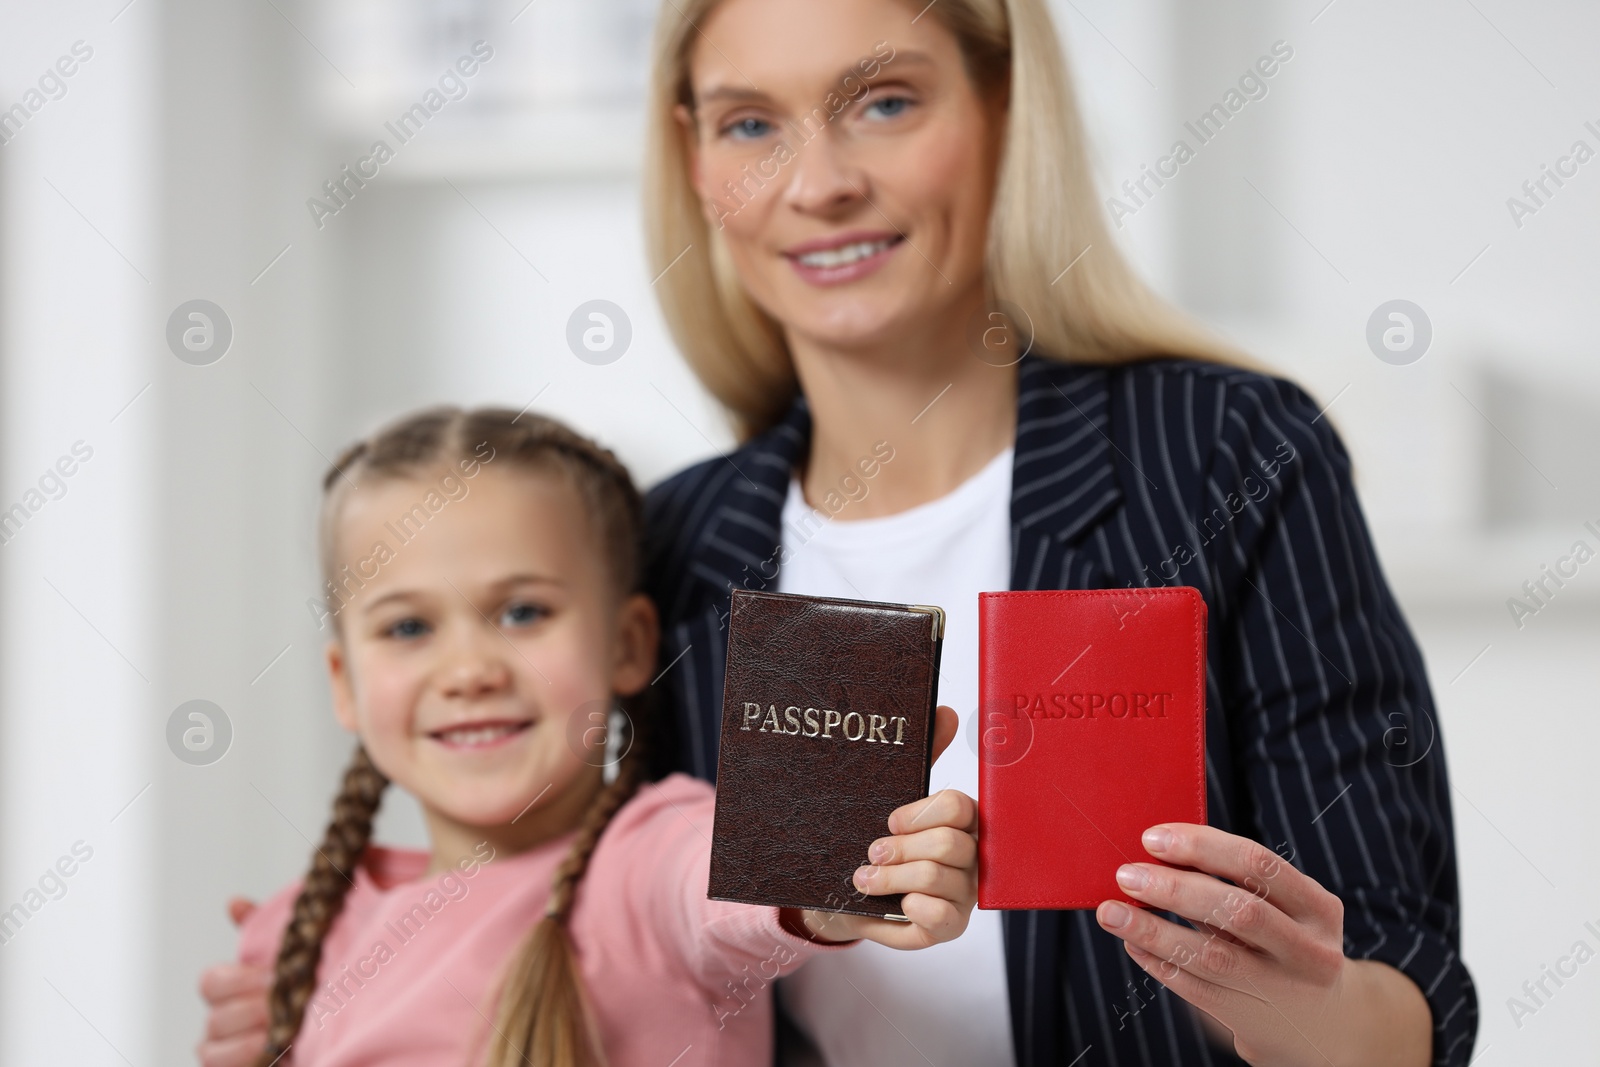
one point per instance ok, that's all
(485, 635)
(851, 183)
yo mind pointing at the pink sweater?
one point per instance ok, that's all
(408, 971)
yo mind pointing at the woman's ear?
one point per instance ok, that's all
(691, 151)
(344, 693)
(994, 101)
(691, 145)
(638, 634)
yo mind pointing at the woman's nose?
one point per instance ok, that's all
(822, 177)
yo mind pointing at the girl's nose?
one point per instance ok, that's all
(474, 668)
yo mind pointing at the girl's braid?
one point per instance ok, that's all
(543, 1020)
(321, 898)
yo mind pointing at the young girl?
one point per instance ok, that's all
(482, 575)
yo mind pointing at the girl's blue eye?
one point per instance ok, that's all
(408, 628)
(889, 106)
(748, 129)
(522, 614)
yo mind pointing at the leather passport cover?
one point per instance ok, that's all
(827, 727)
(1092, 730)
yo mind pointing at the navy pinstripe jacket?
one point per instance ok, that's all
(1321, 737)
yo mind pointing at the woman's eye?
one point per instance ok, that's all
(747, 129)
(888, 107)
(522, 614)
(407, 628)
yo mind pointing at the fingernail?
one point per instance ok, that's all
(1114, 915)
(878, 852)
(1132, 878)
(1158, 839)
(863, 876)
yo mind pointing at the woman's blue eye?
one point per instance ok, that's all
(889, 106)
(408, 628)
(521, 614)
(748, 129)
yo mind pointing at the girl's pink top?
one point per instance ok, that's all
(409, 971)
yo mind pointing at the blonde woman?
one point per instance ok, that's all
(842, 195)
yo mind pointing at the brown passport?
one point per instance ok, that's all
(827, 727)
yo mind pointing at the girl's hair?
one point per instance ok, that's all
(542, 1018)
(1045, 216)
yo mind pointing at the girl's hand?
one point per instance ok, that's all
(931, 857)
(1267, 957)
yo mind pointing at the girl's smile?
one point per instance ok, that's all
(476, 736)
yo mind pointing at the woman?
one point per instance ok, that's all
(857, 183)
(844, 194)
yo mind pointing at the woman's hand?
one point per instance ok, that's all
(236, 1026)
(931, 856)
(1267, 960)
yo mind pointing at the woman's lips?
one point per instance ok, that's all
(477, 736)
(840, 263)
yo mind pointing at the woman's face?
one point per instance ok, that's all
(847, 161)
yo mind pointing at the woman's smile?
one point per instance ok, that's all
(844, 257)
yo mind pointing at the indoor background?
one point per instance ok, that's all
(1400, 152)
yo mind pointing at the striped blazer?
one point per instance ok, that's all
(1321, 738)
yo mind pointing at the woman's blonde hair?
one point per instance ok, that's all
(1045, 217)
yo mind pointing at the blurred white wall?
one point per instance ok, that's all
(177, 565)
(79, 646)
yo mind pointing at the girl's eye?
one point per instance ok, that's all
(407, 629)
(888, 107)
(522, 614)
(747, 129)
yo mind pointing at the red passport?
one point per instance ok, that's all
(1092, 729)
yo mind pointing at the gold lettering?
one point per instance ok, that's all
(821, 722)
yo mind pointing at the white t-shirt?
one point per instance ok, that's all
(946, 1005)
